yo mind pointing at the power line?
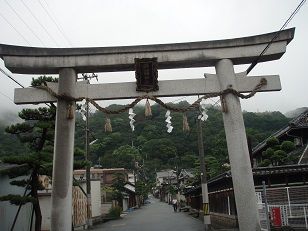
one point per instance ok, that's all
(254, 63)
(6, 96)
(55, 22)
(15, 29)
(3, 71)
(9, 76)
(38, 21)
(12, 8)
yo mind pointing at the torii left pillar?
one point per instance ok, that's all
(61, 197)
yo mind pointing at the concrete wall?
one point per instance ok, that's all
(220, 220)
(45, 204)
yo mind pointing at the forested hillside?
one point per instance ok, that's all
(158, 149)
(151, 146)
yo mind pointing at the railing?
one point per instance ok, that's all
(294, 215)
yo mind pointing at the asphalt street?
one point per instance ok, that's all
(156, 216)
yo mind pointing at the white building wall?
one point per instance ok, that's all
(45, 203)
(96, 198)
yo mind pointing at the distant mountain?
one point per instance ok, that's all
(8, 117)
(296, 112)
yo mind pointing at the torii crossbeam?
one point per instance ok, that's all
(222, 54)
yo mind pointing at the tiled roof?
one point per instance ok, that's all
(300, 121)
(274, 170)
(99, 170)
(167, 173)
(280, 169)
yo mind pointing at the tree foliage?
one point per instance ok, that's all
(126, 157)
(276, 153)
(161, 150)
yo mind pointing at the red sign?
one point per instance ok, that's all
(276, 217)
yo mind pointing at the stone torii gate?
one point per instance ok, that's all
(222, 54)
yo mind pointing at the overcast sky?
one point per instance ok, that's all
(100, 23)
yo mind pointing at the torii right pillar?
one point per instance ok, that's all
(243, 185)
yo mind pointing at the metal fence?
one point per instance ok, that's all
(286, 206)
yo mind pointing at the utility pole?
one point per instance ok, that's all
(205, 196)
(88, 170)
(87, 150)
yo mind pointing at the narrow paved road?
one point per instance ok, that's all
(157, 216)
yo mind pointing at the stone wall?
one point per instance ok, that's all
(220, 220)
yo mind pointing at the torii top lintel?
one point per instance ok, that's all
(34, 60)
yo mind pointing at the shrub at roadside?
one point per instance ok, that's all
(115, 212)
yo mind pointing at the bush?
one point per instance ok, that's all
(269, 152)
(265, 163)
(272, 141)
(279, 156)
(287, 146)
(115, 212)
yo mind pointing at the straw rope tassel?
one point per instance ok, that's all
(186, 127)
(108, 127)
(148, 110)
(70, 112)
(224, 106)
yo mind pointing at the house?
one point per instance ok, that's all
(129, 196)
(164, 179)
(105, 175)
(286, 188)
(296, 131)
(131, 177)
(169, 178)
(186, 176)
(106, 178)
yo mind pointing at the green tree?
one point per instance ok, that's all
(142, 190)
(117, 188)
(162, 149)
(126, 157)
(287, 146)
(37, 131)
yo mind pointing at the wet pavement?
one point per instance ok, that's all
(156, 216)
